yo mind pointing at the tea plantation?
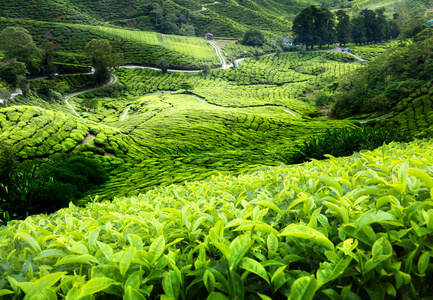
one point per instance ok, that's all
(177, 178)
(358, 226)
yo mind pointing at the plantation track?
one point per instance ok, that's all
(224, 65)
(218, 51)
(377, 118)
(125, 114)
(111, 82)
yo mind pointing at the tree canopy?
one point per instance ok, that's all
(17, 43)
(102, 58)
(254, 37)
(314, 26)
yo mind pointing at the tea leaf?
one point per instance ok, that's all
(303, 288)
(6, 292)
(217, 296)
(209, 281)
(125, 261)
(238, 248)
(329, 272)
(254, 267)
(422, 175)
(423, 262)
(307, 233)
(376, 217)
(272, 242)
(236, 286)
(257, 226)
(332, 183)
(77, 259)
(171, 284)
(133, 294)
(96, 285)
(156, 249)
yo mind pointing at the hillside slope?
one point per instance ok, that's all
(225, 18)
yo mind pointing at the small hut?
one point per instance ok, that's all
(208, 36)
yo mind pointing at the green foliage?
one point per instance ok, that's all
(11, 70)
(27, 190)
(253, 37)
(390, 78)
(186, 85)
(282, 232)
(102, 59)
(314, 26)
(18, 44)
(343, 142)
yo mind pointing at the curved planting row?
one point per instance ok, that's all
(288, 68)
(414, 114)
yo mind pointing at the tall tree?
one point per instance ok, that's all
(314, 26)
(304, 26)
(49, 53)
(253, 37)
(358, 30)
(102, 59)
(381, 25)
(343, 27)
(370, 23)
(328, 29)
(18, 44)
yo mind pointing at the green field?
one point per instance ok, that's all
(147, 132)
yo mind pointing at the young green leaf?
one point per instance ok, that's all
(423, 262)
(332, 183)
(156, 249)
(133, 294)
(422, 175)
(303, 288)
(96, 285)
(171, 284)
(329, 272)
(307, 233)
(272, 242)
(255, 267)
(209, 281)
(217, 296)
(236, 286)
(238, 248)
(4, 292)
(125, 261)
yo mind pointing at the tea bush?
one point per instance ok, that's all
(356, 227)
(344, 142)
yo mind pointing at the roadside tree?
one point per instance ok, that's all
(103, 61)
(343, 27)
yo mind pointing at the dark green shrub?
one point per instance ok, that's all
(28, 190)
(343, 142)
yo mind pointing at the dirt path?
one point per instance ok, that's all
(125, 114)
(67, 98)
(219, 53)
(377, 118)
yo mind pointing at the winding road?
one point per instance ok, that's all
(224, 65)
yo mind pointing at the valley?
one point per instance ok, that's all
(139, 160)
